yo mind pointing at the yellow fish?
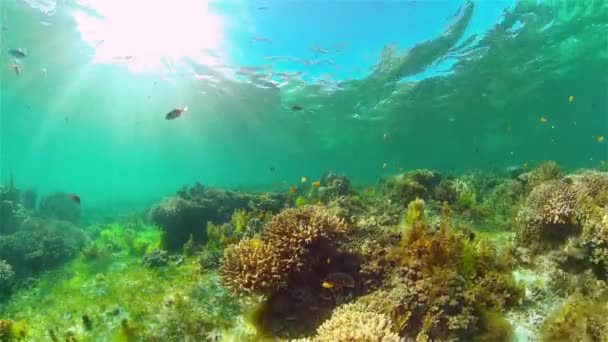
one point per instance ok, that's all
(543, 119)
(571, 98)
(304, 179)
(327, 285)
(316, 184)
(600, 138)
(328, 261)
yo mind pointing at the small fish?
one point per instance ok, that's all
(385, 136)
(4, 28)
(338, 281)
(328, 261)
(319, 203)
(600, 138)
(384, 165)
(316, 184)
(304, 179)
(262, 8)
(74, 198)
(543, 119)
(18, 52)
(526, 165)
(296, 107)
(327, 285)
(271, 169)
(176, 113)
(602, 162)
(43, 72)
(15, 68)
(292, 189)
(571, 98)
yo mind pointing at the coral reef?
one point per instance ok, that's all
(291, 242)
(352, 322)
(41, 244)
(181, 219)
(333, 187)
(187, 213)
(12, 215)
(580, 318)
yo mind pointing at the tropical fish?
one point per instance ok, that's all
(261, 8)
(543, 119)
(316, 184)
(385, 136)
(571, 98)
(338, 281)
(296, 107)
(18, 52)
(271, 168)
(600, 138)
(176, 113)
(74, 198)
(292, 189)
(384, 165)
(304, 179)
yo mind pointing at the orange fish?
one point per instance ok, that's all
(543, 119)
(316, 184)
(292, 189)
(304, 179)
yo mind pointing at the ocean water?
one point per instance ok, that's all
(278, 93)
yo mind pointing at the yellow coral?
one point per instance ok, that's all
(352, 323)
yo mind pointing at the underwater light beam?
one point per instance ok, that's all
(145, 35)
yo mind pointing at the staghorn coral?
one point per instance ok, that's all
(261, 266)
(293, 232)
(353, 323)
(252, 267)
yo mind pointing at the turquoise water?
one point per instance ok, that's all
(469, 94)
(281, 90)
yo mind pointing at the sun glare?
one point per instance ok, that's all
(149, 35)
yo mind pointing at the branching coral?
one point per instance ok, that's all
(252, 267)
(550, 215)
(353, 323)
(263, 266)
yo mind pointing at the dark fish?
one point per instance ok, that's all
(18, 52)
(176, 113)
(261, 8)
(271, 169)
(74, 198)
(296, 107)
